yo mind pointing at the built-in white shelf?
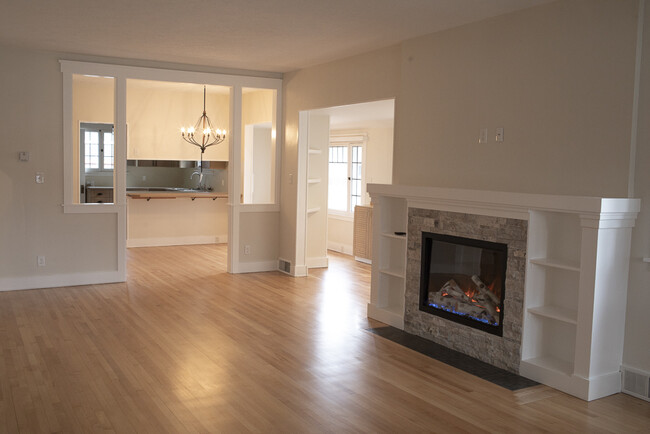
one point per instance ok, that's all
(393, 272)
(314, 151)
(555, 312)
(549, 363)
(574, 354)
(313, 210)
(392, 235)
(554, 263)
(313, 180)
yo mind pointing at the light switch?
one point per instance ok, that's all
(483, 136)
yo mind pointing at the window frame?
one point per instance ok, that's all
(349, 141)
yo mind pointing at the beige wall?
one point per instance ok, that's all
(558, 78)
(32, 217)
(261, 235)
(368, 77)
(637, 330)
(340, 233)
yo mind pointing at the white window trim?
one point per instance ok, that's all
(357, 139)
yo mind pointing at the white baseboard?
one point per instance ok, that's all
(346, 249)
(595, 387)
(299, 270)
(58, 280)
(176, 241)
(257, 267)
(364, 260)
(320, 262)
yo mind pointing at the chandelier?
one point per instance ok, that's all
(203, 134)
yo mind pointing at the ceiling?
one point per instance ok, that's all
(262, 35)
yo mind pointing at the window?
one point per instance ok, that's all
(97, 147)
(345, 184)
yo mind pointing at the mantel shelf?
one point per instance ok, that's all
(313, 180)
(555, 312)
(313, 210)
(314, 151)
(554, 263)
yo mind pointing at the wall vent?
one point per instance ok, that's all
(284, 266)
(636, 383)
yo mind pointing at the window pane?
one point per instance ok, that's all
(91, 141)
(109, 151)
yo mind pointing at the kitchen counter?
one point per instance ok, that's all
(172, 193)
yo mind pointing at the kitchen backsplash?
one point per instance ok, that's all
(217, 179)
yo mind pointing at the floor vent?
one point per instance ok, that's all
(636, 383)
(284, 266)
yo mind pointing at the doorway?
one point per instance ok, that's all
(341, 150)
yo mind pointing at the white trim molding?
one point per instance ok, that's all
(346, 249)
(59, 280)
(257, 267)
(177, 241)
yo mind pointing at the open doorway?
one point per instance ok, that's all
(344, 148)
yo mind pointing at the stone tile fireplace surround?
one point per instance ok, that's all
(502, 352)
(566, 278)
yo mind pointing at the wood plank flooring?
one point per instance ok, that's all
(183, 346)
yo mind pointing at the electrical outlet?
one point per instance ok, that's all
(247, 249)
(40, 177)
(144, 177)
(23, 156)
(40, 260)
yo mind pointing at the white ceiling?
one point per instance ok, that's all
(263, 35)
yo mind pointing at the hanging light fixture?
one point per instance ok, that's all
(203, 134)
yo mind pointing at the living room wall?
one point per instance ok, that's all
(33, 223)
(637, 330)
(559, 78)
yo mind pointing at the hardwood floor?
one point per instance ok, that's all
(183, 346)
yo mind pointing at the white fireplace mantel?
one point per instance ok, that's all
(578, 255)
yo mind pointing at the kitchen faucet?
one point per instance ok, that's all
(200, 178)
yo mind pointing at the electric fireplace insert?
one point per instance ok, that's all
(463, 280)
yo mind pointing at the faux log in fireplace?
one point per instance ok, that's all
(463, 280)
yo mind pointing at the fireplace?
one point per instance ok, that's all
(463, 280)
